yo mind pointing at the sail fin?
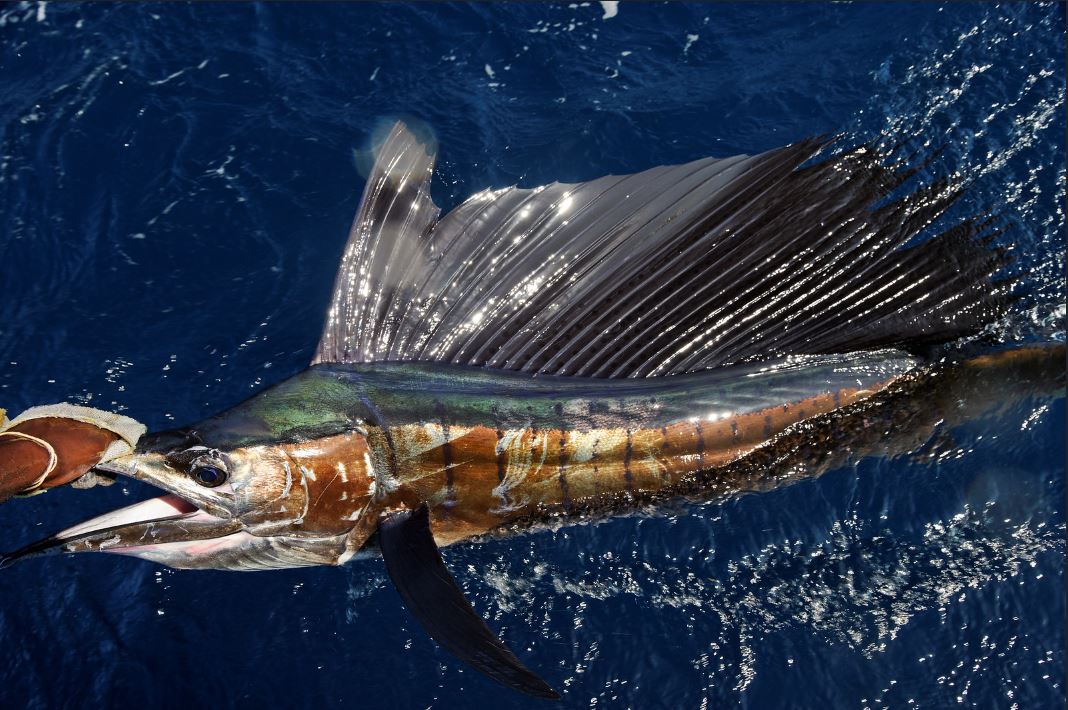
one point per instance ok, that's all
(670, 270)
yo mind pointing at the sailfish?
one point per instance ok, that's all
(548, 354)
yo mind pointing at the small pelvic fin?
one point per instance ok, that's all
(433, 597)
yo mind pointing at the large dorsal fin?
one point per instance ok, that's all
(674, 269)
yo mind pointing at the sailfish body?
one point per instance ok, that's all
(560, 351)
(487, 449)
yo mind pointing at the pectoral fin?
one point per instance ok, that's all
(433, 597)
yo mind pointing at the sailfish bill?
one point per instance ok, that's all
(555, 352)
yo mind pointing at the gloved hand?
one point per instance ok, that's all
(50, 446)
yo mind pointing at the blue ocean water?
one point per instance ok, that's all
(176, 184)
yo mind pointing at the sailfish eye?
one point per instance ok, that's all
(208, 476)
(208, 467)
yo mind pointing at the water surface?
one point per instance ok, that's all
(176, 183)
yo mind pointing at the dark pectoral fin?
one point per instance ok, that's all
(431, 594)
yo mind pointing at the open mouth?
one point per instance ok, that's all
(171, 518)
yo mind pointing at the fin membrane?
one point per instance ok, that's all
(671, 270)
(432, 596)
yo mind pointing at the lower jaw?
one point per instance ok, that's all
(168, 552)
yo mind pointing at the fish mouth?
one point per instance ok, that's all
(182, 515)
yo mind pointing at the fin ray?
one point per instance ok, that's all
(384, 244)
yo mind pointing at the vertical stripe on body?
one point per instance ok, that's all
(486, 475)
